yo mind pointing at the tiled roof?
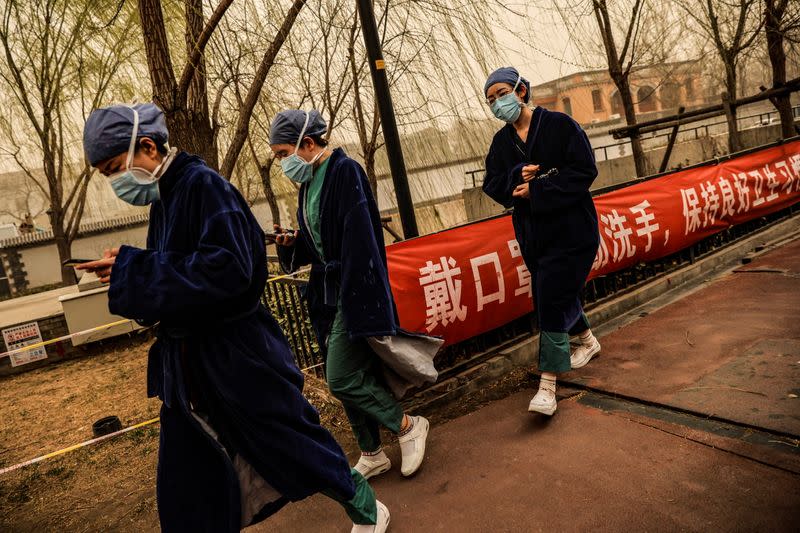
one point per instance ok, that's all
(38, 237)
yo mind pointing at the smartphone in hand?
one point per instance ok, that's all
(272, 237)
(72, 262)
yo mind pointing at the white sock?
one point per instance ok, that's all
(548, 382)
(373, 455)
(586, 336)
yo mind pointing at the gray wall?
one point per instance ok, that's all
(41, 261)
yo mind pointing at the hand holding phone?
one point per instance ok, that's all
(282, 237)
(101, 267)
(529, 172)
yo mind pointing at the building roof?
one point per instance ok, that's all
(31, 239)
(552, 84)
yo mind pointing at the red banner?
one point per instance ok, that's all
(462, 282)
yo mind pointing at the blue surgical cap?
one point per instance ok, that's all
(108, 130)
(507, 75)
(288, 125)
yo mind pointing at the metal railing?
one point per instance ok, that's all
(284, 299)
(763, 119)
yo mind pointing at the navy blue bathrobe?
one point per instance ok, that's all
(557, 227)
(221, 355)
(352, 240)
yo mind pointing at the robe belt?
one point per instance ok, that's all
(182, 332)
(331, 272)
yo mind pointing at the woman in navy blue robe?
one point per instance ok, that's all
(238, 439)
(349, 298)
(541, 164)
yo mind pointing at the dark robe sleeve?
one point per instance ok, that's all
(365, 292)
(575, 175)
(153, 285)
(500, 181)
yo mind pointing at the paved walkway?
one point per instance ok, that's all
(705, 437)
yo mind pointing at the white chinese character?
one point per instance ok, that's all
(711, 200)
(644, 220)
(743, 192)
(601, 259)
(615, 228)
(772, 183)
(728, 198)
(758, 185)
(794, 161)
(498, 296)
(442, 292)
(523, 275)
(691, 209)
(784, 171)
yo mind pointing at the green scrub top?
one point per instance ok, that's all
(313, 196)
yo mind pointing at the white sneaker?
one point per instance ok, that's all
(373, 465)
(412, 445)
(544, 402)
(584, 352)
(382, 522)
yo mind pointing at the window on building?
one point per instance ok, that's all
(688, 85)
(616, 104)
(647, 99)
(597, 100)
(565, 102)
(670, 95)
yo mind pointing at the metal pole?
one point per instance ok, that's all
(377, 66)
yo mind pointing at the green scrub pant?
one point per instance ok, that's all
(554, 347)
(354, 379)
(361, 508)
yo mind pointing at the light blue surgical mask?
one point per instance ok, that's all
(295, 167)
(508, 107)
(129, 188)
(135, 185)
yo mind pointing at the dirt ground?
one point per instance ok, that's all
(110, 486)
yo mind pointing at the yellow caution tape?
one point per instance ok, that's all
(63, 338)
(77, 446)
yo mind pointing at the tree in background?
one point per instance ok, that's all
(732, 26)
(781, 23)
(626, 36)
(184, 100)
(61, 59)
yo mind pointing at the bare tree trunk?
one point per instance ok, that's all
(63, 244)
(269, 193)
(733, 127)
(185, 104)
(369, 168)
(619, 72)
(624, 88)
(773, 14)
(198, 116)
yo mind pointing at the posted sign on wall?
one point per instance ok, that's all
(21, 336)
